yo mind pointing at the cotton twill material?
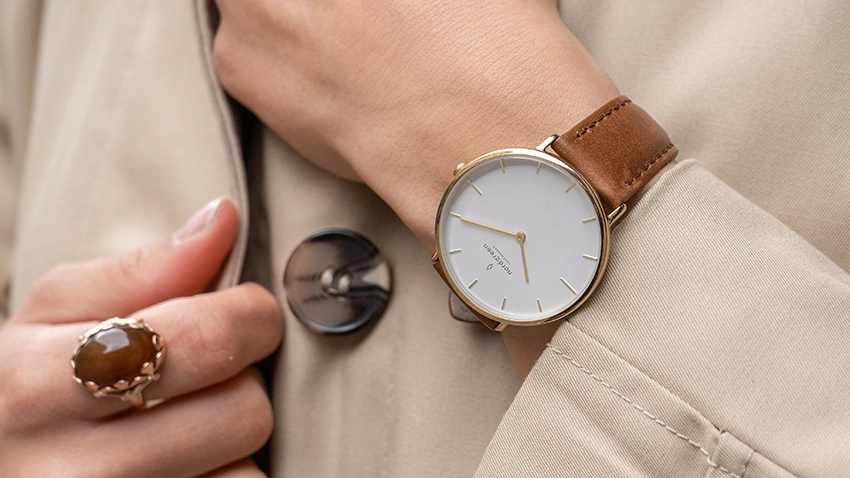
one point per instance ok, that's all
(122, 135)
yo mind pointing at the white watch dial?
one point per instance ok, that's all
(520, 237)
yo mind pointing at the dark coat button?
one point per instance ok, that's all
(336, 282)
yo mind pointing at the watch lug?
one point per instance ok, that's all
(490, 323)
(438, 266)
(458, 168)
(546, 143)
(616, 214)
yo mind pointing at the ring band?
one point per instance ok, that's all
(118, 358)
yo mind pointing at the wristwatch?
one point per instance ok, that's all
(523, 235)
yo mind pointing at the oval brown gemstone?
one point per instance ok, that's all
(114, 354)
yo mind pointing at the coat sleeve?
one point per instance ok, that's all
(19, 31)
(717, 345)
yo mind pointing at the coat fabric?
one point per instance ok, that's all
(716, 346)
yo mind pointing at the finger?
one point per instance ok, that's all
(185, 264)
(186, 437)
(212, 337)
(242, 469)
(197, 433)
(208, 339)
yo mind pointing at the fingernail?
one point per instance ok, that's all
(198, 223)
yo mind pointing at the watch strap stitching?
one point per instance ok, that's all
(608, 113)
(649, 164)
(627, 149)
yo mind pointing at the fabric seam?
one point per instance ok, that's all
(236, 260)
(698, 446)
(747, 463)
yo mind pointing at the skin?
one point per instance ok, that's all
(396, 94)
(216, 411)
(393, 94)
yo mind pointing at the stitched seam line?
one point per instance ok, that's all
(608, 113)
(649, 164)
(233, 151)
(643, 411)
(747, 463)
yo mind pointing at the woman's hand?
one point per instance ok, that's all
(216, 412)
(396, 93)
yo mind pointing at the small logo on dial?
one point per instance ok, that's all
(500, 259)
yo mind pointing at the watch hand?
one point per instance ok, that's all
(520, 237)
(485, 226)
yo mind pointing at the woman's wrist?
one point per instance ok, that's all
(425, 86)
(537, 94)
(397, 94)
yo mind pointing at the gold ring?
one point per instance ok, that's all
(118, 358)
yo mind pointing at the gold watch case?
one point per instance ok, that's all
(494, 321)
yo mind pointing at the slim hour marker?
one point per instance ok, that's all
(568, 286)
(472, 284)
(502, 164)
(454, 214)
(504, 299)
(539, 307)
(589, 257)
(570, 187)
(590, 219)
(538, 167)
(454, 251)
(475, 187)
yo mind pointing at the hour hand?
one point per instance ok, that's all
(485, 226)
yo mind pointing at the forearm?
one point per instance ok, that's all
(506, 98)
(422, 89)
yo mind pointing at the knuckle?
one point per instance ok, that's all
(229, 328)
(254, 424)
(74, 468)
(262, 304)
(55, 275)
(218, 338)
(223, 57)
(22, 403)
(260, 316)
(48, 288)
(130, 266)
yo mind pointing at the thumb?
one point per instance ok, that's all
(119, 285)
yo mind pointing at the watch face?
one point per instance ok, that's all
(521, 237)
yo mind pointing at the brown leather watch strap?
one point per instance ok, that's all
(618, 148)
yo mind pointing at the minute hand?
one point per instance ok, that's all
(485, 226)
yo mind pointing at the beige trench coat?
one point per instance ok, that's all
(718, 344)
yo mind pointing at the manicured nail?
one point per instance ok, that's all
(198, 223)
